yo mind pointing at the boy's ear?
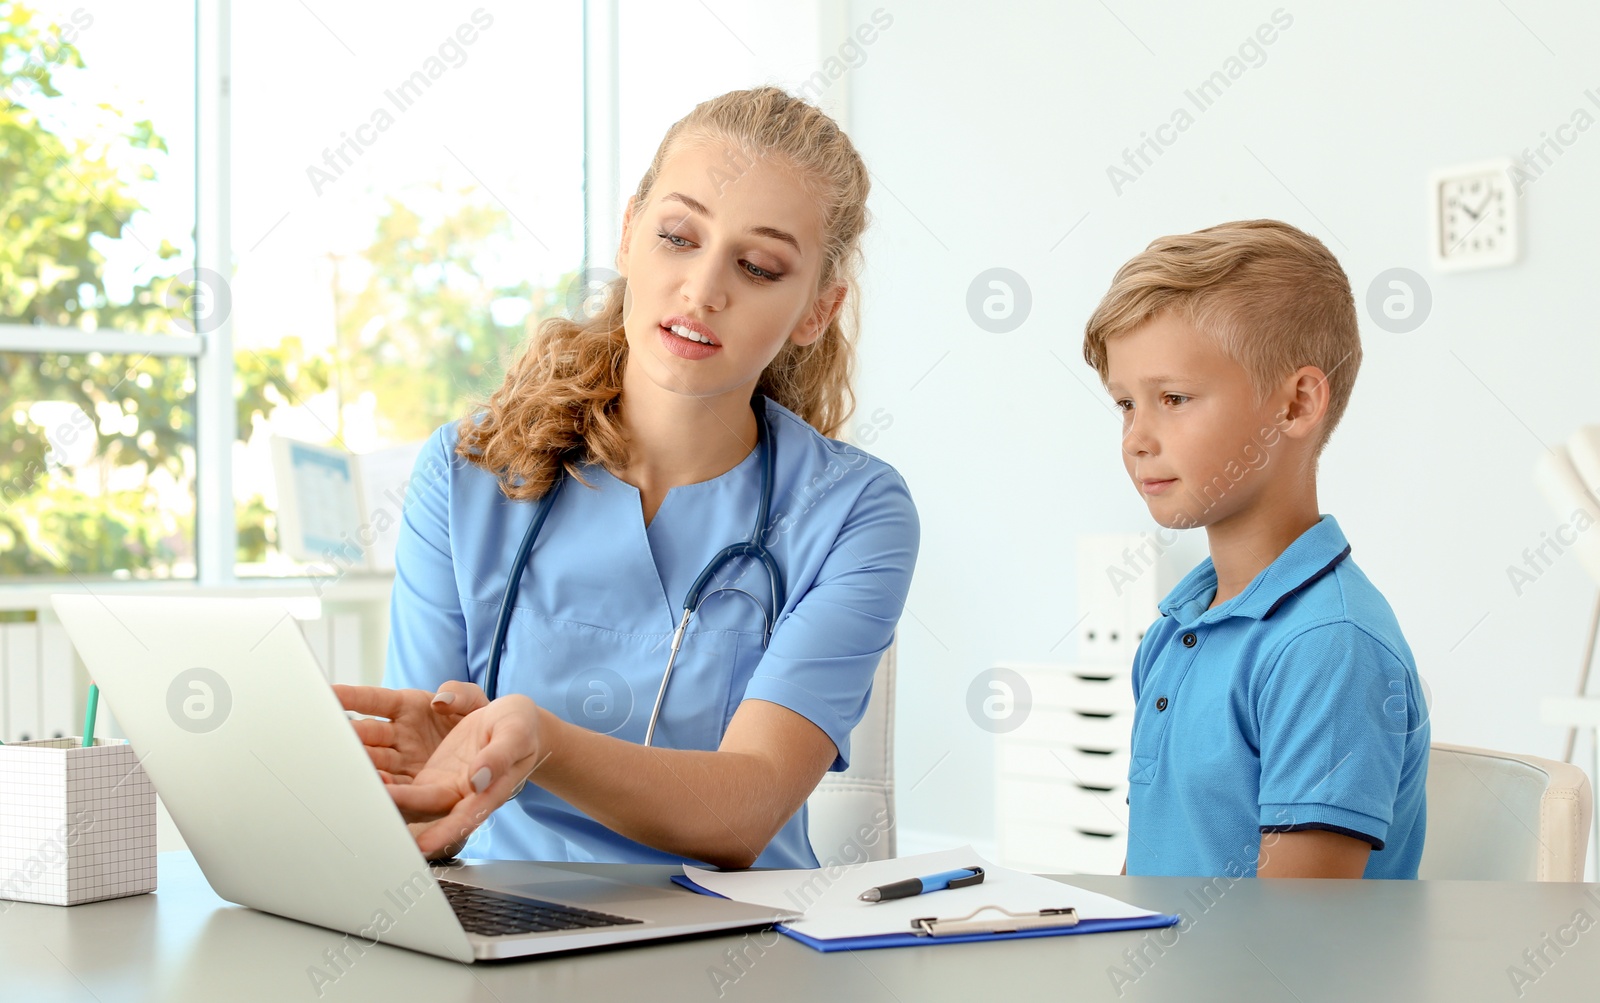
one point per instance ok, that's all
(1305, 402)
(821, 314)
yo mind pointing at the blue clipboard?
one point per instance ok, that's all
(909, 939)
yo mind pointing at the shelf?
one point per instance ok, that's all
(1571, 712)
(350, 588)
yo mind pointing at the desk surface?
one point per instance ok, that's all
(1248, 940)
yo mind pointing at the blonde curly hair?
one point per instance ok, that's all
(558, 407)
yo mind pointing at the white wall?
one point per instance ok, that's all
(671, 56)
(989, 135)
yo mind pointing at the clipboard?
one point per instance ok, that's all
(1010, 926)
(1006, 922)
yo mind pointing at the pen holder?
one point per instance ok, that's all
(77, 824)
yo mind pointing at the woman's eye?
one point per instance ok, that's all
(675, 240)
(761, 273)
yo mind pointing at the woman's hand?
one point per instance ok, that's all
(476, 769)
(418, 722)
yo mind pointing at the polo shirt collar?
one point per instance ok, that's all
(1313, 554)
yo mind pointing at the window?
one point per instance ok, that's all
(404, 200)
(379, 202)
(401, 218)
(97, 435)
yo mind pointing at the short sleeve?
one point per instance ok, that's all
(825, 650)
(1333, 722)
(427, 629)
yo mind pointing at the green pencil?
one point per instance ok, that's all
(88, 715)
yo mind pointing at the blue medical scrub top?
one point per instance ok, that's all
(1294, 705)
(595, 611)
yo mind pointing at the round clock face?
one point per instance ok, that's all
(1474, 219)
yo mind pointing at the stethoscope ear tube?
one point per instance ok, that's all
(754, 548)
(755, 551)
(503, 622)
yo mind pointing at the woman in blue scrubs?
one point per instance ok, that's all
(733, 310)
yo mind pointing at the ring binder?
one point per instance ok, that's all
(1009, 922)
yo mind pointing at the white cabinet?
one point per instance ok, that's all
(36, 682)
(1062, 776)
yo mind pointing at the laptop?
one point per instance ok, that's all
(255, 759)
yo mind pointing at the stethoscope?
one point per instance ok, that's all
(753, 548)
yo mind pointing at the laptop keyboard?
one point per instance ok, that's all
(496, 914)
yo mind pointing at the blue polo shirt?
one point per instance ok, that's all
(1294, 705)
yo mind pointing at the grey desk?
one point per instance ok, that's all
(1284, 940)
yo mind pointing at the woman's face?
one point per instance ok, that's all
(727, 250)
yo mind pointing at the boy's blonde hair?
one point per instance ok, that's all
(1273, 297)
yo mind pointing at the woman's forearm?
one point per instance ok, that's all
(720, 807)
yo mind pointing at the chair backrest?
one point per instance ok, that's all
(1495, 816)
(846, 805)
(1569, 477)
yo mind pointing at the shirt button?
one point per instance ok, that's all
(1161, 703)
(1188, 640)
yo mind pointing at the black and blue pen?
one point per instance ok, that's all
(921, 886)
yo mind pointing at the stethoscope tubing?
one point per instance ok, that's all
(755, 548)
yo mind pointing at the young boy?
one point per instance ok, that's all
(1279, 728)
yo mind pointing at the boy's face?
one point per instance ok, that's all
(1194, 435)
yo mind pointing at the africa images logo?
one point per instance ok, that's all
(198, 700)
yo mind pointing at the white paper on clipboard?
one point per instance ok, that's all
(828, 896)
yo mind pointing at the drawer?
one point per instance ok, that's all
(1061, 762)
(1082, 689)
(1096, 766)
(1101, 690)
(1107, 731)
(1043, 850)
(1095, 854)
(1060, 805)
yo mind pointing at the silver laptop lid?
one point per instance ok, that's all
(258, 765)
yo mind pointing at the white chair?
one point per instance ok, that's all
(844, 805)
(1495, 816)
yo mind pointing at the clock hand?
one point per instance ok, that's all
(1464, 236)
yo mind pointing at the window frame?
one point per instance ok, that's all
(211, 350)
